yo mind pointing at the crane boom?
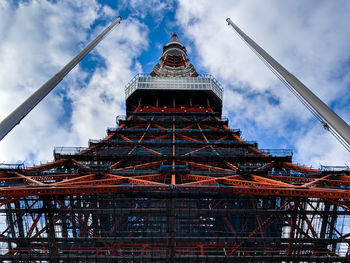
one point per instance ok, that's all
(327, 116)
(21, 111)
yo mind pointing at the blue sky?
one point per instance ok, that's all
(310, 38)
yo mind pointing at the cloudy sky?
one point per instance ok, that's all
(310, 38)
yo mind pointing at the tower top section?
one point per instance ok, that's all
(174, 40)
(174, 85)
(174, 61)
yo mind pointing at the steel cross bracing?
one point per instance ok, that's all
(173, 185)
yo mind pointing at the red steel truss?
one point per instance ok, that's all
(173, 183)
(175, 186)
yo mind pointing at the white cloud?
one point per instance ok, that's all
(37, 39)
(310, 38)
(155, 8)
(95, 106)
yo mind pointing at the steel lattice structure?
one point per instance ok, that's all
(173, 183)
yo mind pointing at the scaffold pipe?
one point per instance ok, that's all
(21, 111)
(339, 128)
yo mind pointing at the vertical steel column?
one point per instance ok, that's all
(53, 249)
(171, 229)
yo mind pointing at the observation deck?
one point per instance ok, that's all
(202, 90)
(146, 81)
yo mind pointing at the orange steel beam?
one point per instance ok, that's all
(305, 180)
(270, 181)
(206, 166)
(345, 206)
(125, 138)
(34, 224)
(224, 180)
(161, 249)
(138, 126)
(310, 227)
(186, 137)
(210, 127)
(53, 177)
(148, 126)
(197, 150)
(194, 177)
(316, 181)
(44, 228)
(158, 126)
(110, 136)
(151, 150)
(236, 137)
(242, 182)
(345, 177)
(188, 127)
(184, 118)
(233, 167)
(222, 138)
(202, 182)
(151, 177)
(296, 167)
(112, 181)
(159, 138)
(140, 181)
(290, 179)
(134, 180)
(76, 179)
(116, 164)
(29, 179)
(138, 166)
(64, 190)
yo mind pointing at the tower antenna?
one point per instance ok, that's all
(22, 110)
(328, 118)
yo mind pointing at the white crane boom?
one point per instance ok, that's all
(21, 111)
(329, 119)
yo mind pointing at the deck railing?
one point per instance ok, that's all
(146, 81)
